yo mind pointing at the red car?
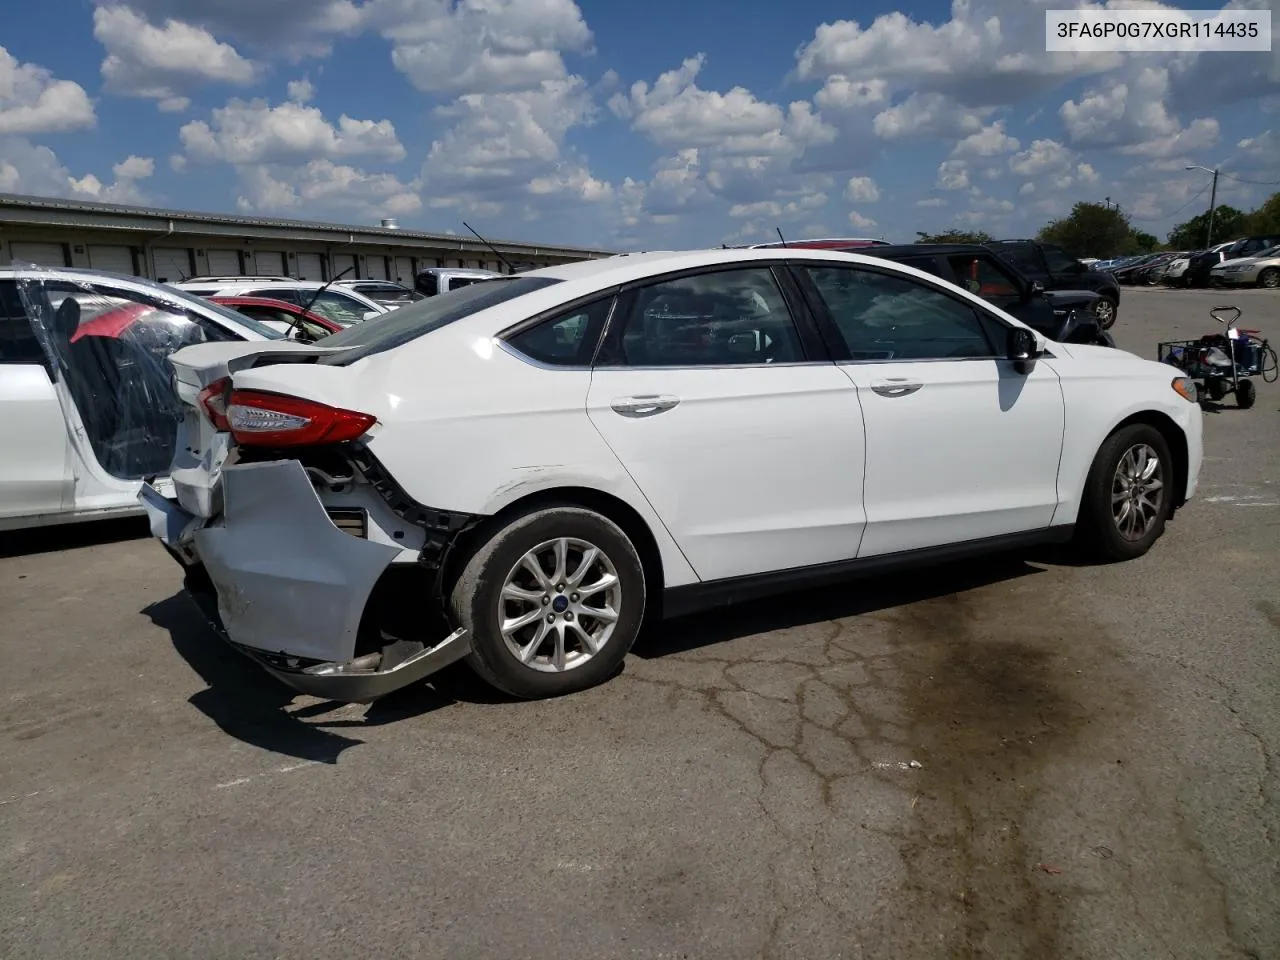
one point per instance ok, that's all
(283, 316)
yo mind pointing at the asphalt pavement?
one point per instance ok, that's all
(1014, 758)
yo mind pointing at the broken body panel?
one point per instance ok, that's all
(273, 572)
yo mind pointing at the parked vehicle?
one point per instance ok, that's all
(1261, 269)
(289, 319)
(1055, 270)
(437, 280)
(87, 407)
(338, 304)
(547, 459)
(1069, 316)
(1199, 273)
(1153, 271)
(385, 292)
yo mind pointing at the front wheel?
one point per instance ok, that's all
(1269, 278)
(553, 601)
(1128, 495)
(1105, 312)
(1246, 394)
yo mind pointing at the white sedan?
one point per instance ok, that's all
(518, 473)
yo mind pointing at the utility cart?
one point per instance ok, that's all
(1223, 363)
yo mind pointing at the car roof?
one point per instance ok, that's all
(460, 271)
(926, 249)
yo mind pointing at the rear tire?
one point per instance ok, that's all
(1122, 513)
(1269, 278)
(531, 636)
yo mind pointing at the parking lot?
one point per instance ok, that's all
(1016, 758)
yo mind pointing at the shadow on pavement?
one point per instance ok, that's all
(249, 704)
(849, 599)
(71, 536)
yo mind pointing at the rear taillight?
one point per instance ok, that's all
(261, 419)
(213, 399)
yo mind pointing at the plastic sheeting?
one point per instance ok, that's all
(109, 351)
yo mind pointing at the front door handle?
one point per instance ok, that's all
(895, 387)
(645, 405)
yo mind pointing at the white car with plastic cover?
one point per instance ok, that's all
(87, 407)
(519, 472)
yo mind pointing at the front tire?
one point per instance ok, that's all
(552, 601)
(1105, 312)
(1128, 495)
(1269, 278)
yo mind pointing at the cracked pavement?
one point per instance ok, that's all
(1013, 758)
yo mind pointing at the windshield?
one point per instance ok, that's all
(1268, 253)
(236, 320)
(388, 293)
(408, 323)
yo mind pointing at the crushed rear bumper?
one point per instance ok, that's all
(282, 584)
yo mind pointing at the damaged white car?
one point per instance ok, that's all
(520, 472)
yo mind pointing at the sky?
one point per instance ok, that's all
(625, 126)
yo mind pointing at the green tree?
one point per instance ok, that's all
(1145, 242)
(1266, 219)
(1092, 230)
(954, 236)
(1194, 234)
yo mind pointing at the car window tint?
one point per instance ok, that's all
(1022, 256)
(982, 276)
(18, 342)
(1059, 262)
(274, 293)
(338, 307)
(567, 340)
(729, 317)
(883, 317)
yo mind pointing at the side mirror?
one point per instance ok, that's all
(371, 315)
(1021, 349)
(1037, 288)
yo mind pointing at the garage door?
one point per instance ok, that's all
(113, 259)
(41, 254)
(376, 267)
(224, 263)
(344, 261)
(269, 263)
(309, 267)
(404, 271)
(173, 264)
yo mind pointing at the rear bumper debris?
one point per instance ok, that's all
(283, 585)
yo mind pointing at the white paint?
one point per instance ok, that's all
(755, 467)
(897, 765)
(49, 472)
(234, 783)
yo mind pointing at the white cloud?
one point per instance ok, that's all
(301, 91)
(990, 141)
(989, 52)
(928, 115)
(1201, 134)
(34, 169)
(1043, 156)
(255, 132)
(290, 29)
(33, 101)
(676, 113)
(1027, 189)
(953, 175)
(861, 189)
(858, 220)
(931, 203)
(481, 46)
(325, 185)
(772, 210)
(163, 63)
(841, 93)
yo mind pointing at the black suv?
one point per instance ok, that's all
(1054, 270)
(1067, 316)
(1197, 274)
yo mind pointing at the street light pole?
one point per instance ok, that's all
(1213, 200)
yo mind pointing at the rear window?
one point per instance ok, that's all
(409, 323)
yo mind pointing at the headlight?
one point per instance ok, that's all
(1185, 387)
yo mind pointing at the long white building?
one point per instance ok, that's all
(171, 245)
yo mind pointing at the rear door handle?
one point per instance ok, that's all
(895, 387)
(645, 405)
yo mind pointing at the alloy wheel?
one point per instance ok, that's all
(559, 605)
(1105, 311)
(1137, 491)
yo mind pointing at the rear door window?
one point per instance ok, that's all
(18, 341)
